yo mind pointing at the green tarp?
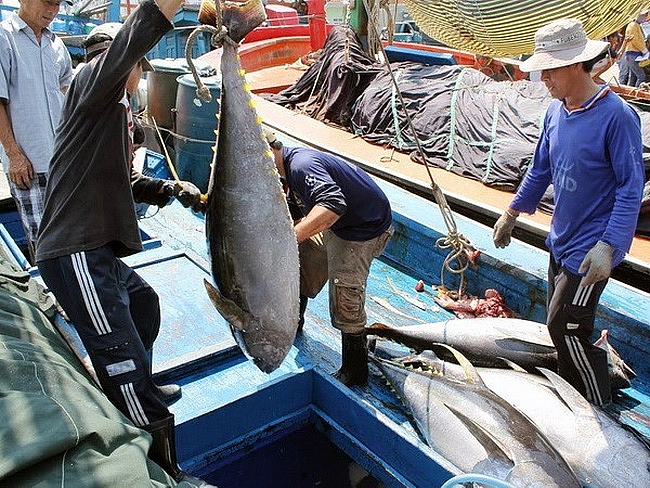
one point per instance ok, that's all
(56, 426)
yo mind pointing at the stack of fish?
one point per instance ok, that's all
(524, 428)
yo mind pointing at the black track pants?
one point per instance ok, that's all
(571, 311)
(117, 316)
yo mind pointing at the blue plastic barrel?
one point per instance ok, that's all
(162, 87)
(196, 122)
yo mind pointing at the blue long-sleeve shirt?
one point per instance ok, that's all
(594, 158)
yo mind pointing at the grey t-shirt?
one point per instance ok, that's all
(89, 201)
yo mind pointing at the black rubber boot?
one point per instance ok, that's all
(354, 367)
(167, 393)
(163, 452)
(303, 306)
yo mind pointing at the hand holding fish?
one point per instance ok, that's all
(189, 196)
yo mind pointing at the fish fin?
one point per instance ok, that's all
(213, 163)
(524, 336)
(387, 349)
(512, 365)
(429, 355)
(570, 396)
(471, 373)
(620, 373)
(487, 440)
(426, 361)
(228, 309)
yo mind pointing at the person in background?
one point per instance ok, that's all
(89, 223)
(644, 61)
(613, 55)
(354, 216)
(634, 49)
(36, 71)
(590, 149)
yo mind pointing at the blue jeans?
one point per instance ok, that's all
(636, 73)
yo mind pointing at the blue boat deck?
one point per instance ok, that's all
(234, 406)
(229, 407)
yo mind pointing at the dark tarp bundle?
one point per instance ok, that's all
(58, 428)
(330, 86)
(465, 122)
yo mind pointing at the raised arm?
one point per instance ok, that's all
(169, 7)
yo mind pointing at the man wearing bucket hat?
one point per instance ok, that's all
(590, 149)
(89, 223)
(36, 70)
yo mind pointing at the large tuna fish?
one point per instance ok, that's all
(486, 341)
(482, 340)
(252, 244)
(600, 451)
(476, 430)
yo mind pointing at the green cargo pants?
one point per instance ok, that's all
(346, 265)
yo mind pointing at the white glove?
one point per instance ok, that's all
(503, 229)
(597, 264)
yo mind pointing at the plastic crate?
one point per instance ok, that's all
(155, 165)
(172, 45)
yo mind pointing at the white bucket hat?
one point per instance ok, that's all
(562, 43)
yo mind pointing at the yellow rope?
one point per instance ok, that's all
(507, 27)
(170, 164)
